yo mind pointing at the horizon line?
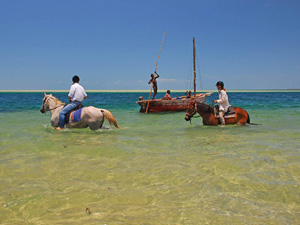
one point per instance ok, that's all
(137, 91)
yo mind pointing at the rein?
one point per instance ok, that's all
(55, 107)
(193, 113)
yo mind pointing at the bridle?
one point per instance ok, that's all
(191, 114)
(55, 107)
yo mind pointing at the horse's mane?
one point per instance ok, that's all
(57, 102)
(207, 108)
(211, 108)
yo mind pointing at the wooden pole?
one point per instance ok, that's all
(194, 56)
(155, 72)
(149, 98)
(159, 52)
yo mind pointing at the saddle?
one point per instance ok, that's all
(67, 117)
(229, 114)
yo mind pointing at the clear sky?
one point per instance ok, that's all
(113, 44)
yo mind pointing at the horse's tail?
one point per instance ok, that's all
(248, 121)
(111, 119)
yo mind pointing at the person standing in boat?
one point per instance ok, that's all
(76, 96)
(223, 101)
(154, 83)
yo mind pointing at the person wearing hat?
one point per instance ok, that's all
(76, 96)
(223, 101)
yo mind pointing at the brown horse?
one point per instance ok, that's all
(208, 116)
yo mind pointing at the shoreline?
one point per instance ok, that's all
(147, 91)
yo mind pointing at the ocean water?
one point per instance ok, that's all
(156, 169)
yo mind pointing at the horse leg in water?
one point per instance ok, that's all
(241, 116)
(98, 122)
(94, 117)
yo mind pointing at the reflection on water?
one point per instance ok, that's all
(159, 170)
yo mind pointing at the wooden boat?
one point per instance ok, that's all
(176, 104)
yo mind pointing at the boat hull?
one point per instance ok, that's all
(174, 105)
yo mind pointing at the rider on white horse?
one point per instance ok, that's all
(76, 96)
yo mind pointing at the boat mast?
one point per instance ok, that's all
(194, 56)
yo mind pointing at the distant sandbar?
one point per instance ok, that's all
(142, 91)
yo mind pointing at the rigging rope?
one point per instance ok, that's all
(199, 74)
(189, 81)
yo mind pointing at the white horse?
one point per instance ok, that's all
(90, 116)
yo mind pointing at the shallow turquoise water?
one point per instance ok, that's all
(157, 169)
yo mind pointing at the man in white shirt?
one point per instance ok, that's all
(76, 96)
(223, 101)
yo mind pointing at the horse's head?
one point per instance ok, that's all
(191, 111)
(50, 103)
(45, 106)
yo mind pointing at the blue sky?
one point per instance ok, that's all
(113, 44)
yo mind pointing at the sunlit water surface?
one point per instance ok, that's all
(156, 169)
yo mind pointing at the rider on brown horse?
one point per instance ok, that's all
(208, 113)
(223, 101)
